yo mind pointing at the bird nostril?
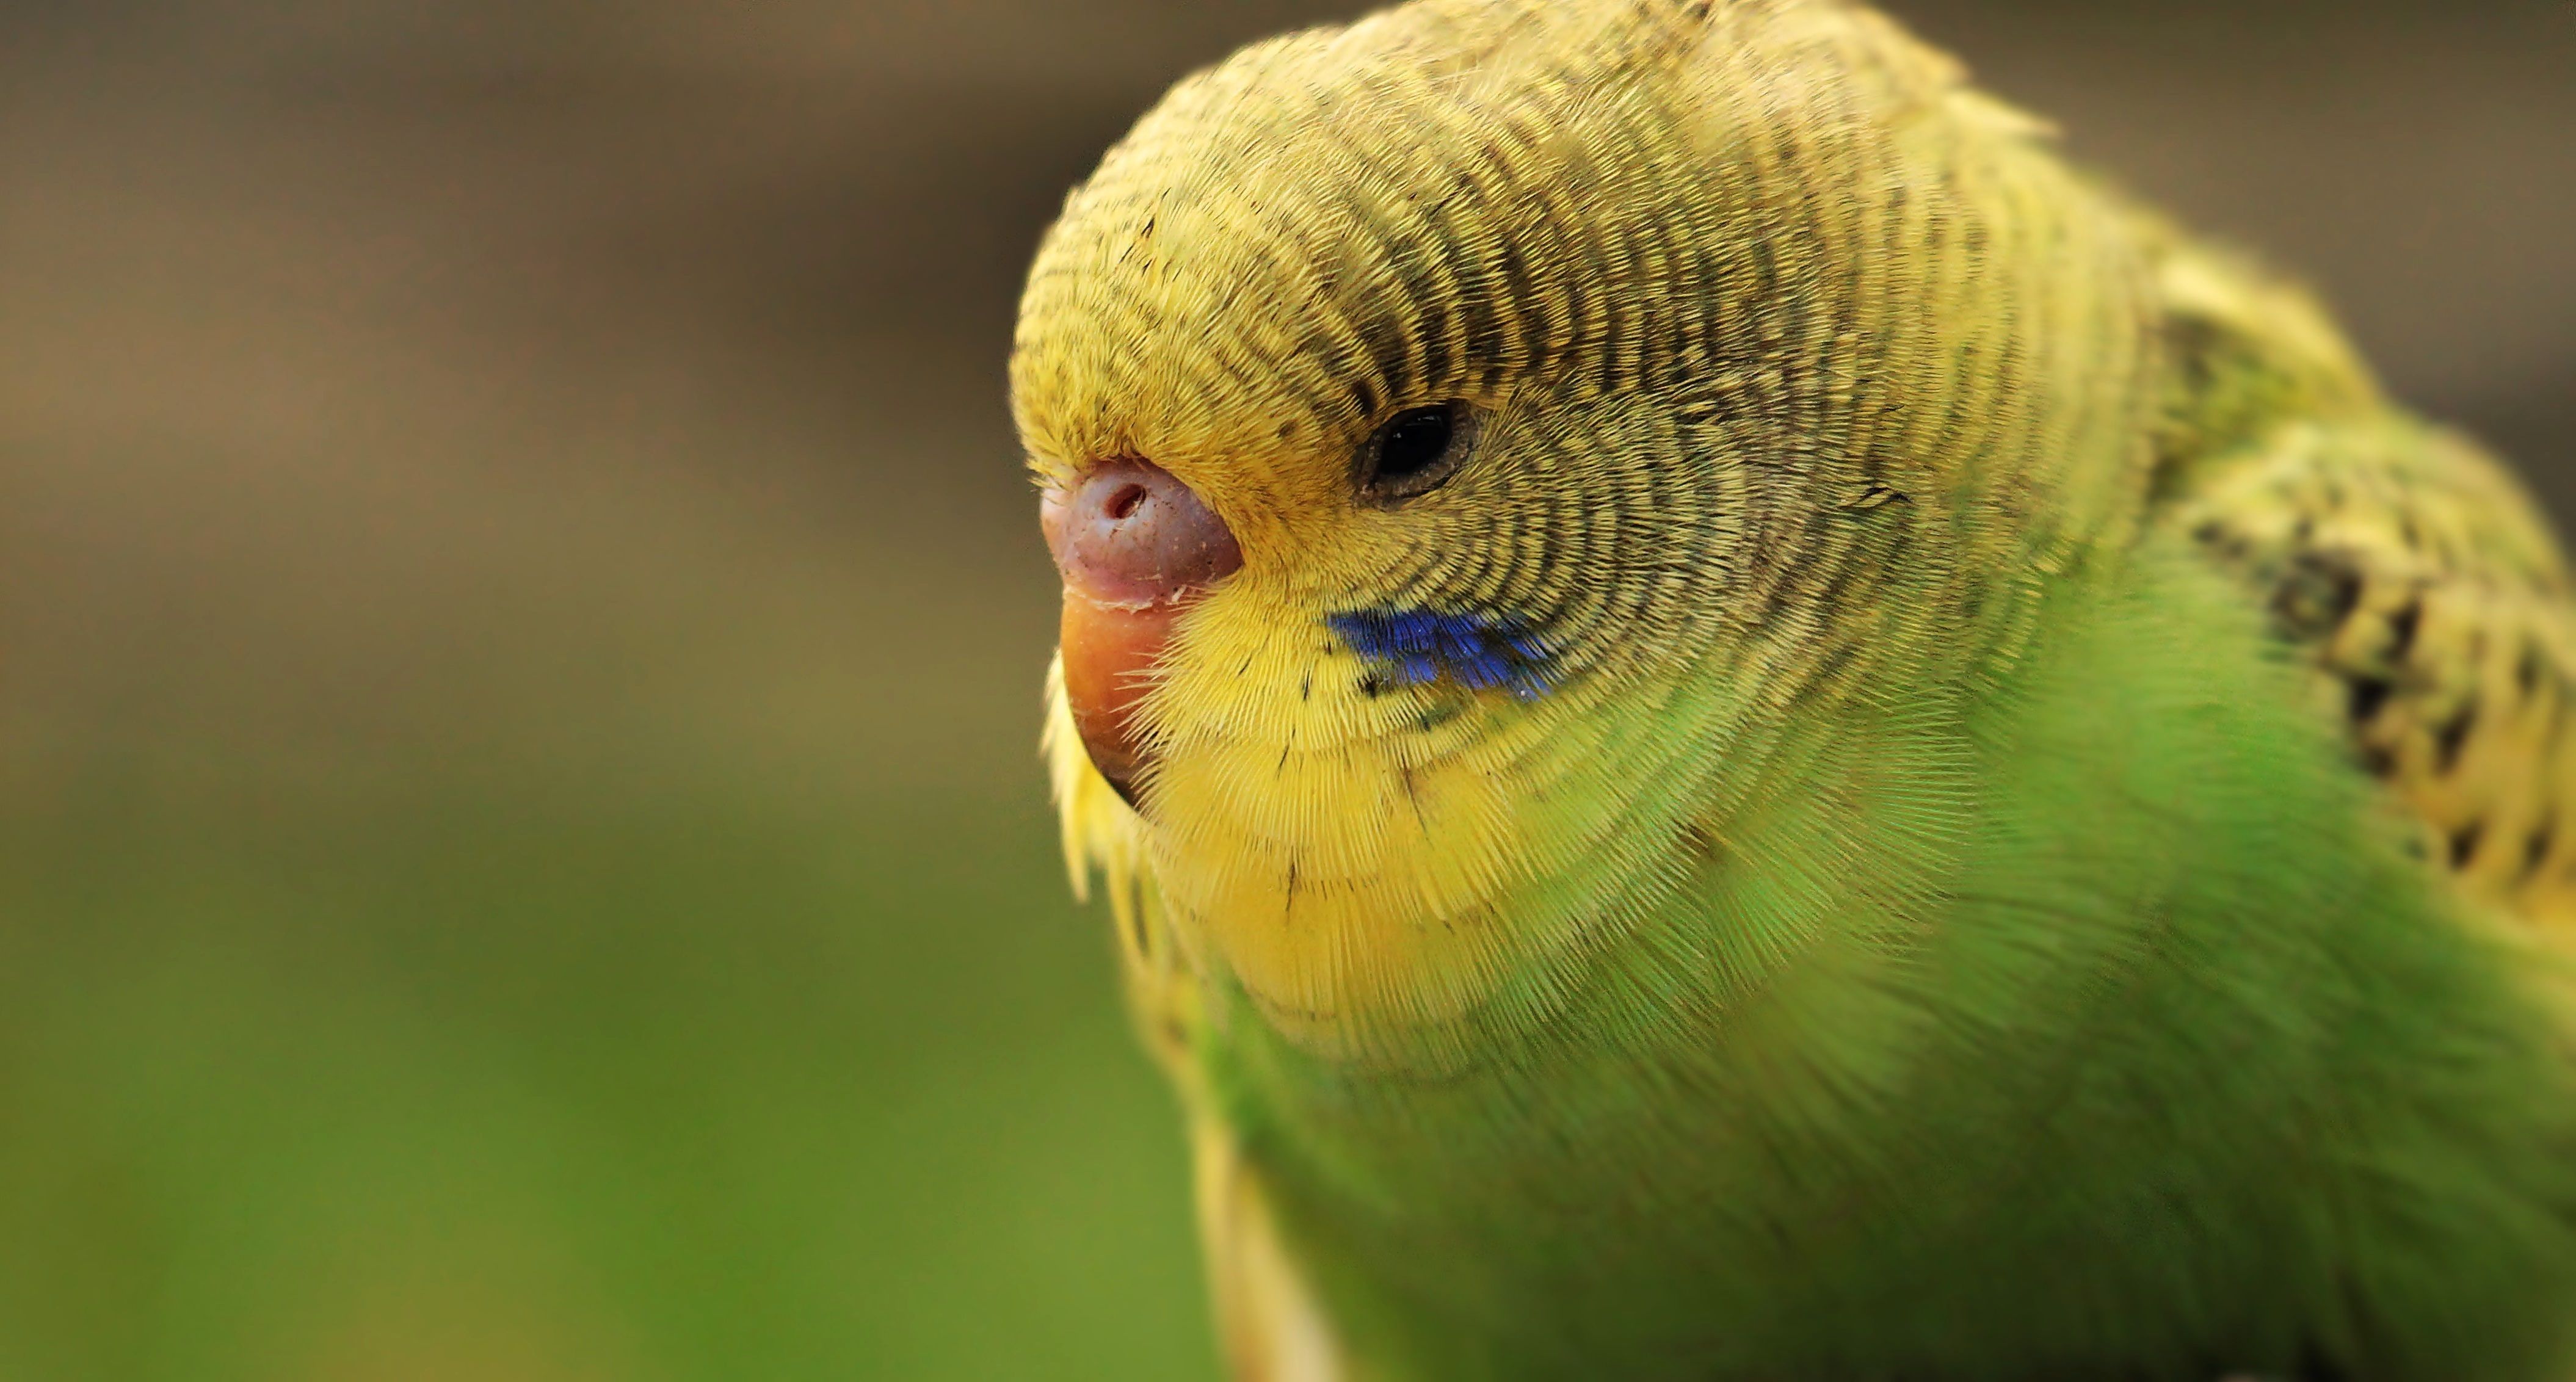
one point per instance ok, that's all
(1124, 503)
(1130, 532)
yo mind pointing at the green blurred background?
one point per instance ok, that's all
(521, 849)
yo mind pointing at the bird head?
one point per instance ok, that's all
(1478, 440)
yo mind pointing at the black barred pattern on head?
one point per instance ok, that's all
(1791, 370)
(1715, 283)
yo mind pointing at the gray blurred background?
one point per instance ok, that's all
(521, 852)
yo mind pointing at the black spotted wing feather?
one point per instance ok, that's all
(2421, 583)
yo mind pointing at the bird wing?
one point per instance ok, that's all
(1270, 1325)
(2421, 584)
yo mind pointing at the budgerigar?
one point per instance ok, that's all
(1740, 727)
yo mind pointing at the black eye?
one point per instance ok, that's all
(1416, 450)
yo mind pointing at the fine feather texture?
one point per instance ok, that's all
(1842, 840)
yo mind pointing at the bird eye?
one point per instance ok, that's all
(1414, 452)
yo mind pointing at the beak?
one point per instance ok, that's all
(1135, 546)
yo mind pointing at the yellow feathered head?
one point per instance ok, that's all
(1472, 433)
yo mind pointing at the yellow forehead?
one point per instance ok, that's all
(1327, 228)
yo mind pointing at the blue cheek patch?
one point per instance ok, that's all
(1414, 647)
